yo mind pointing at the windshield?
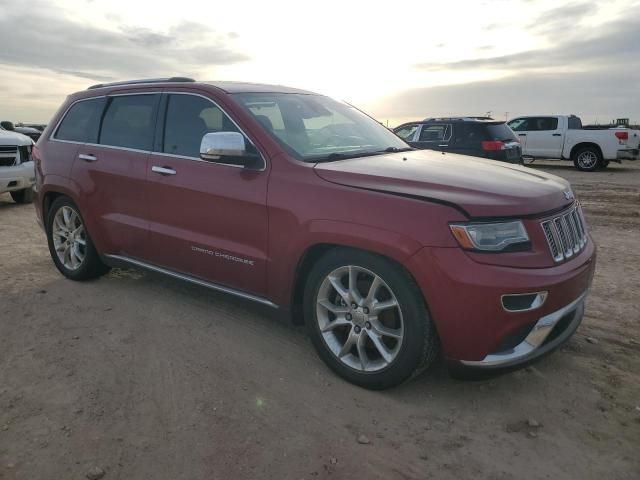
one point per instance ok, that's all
(316, 128)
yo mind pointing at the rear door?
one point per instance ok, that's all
(434, 136)
(112, 173)
(208, 219)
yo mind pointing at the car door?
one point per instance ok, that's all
(434, 136)
(208, 219)
(542, 136)
(112, 173)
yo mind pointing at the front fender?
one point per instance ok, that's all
(282, 272)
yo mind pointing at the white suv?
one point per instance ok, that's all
(16, 167)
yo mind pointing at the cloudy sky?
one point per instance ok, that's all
(398, 60)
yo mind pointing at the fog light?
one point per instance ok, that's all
(523, 302)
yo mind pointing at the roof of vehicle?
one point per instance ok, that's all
(226, 86)
(471, 120)
(462, 119)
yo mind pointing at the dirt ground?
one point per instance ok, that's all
(148, 378)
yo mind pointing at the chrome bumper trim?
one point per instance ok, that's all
(531, 347)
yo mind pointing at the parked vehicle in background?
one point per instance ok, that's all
(562, 137)
(32, 133)
(299, 202)
(16, 166)
(37, 126)
(476, 136)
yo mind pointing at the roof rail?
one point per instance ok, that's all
(143, 80)
(467, 119)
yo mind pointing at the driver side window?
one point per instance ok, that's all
(408, 133)
(188, 119)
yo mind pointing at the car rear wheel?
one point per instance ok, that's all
(587, 159)
(367, 319)
(70, 245)
(23, 196)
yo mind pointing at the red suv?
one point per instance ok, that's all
(302, 203)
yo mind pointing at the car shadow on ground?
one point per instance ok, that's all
(436, 380)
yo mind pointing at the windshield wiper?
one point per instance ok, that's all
(344, 155)
(362, 153)
(396, 149)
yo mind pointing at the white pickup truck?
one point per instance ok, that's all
(16, 167)
(562, 137)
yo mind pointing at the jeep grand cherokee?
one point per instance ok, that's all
(302, 203)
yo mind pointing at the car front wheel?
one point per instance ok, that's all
(367, 319)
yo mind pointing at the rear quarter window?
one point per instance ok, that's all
(500, 132)
(82, 121)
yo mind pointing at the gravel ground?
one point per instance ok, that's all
(136, 376)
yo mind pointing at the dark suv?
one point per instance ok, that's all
(476, 136)
(304, 204)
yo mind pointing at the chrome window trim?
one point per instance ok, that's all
(184, 157)
(188, 278)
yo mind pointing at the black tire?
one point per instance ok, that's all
(91, 266)
(419, 346)
(587, 152)
(23, 196)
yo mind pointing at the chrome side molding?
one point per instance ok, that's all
(121, 259)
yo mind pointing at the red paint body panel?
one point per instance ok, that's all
(204, 211)
(397, 205)
(464, 297)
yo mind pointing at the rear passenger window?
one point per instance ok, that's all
(189, 118)
(434, 133)
(82, 121)
(130, 122)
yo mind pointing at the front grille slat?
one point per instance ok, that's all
(566, 234)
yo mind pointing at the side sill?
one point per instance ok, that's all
(122, 261)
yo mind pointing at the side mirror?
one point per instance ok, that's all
(7, 126)
(229, 148)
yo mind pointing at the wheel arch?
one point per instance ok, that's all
(578, 146)
(311, 256)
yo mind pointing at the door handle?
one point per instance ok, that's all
(163, 170)
(522, 134)
(556, 134)
(443, 145)
(87, 157)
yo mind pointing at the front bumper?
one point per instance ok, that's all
(548, 333)
(629, 154)
(465, 301)
(17, 177)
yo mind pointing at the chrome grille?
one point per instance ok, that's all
(8, 155)
(566, 234)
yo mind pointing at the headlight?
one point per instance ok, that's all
(491, 237)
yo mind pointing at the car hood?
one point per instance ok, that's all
(13, 138)
(482, 188)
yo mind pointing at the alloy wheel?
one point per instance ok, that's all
(359, 318)
(69, 238)
(587, 159)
